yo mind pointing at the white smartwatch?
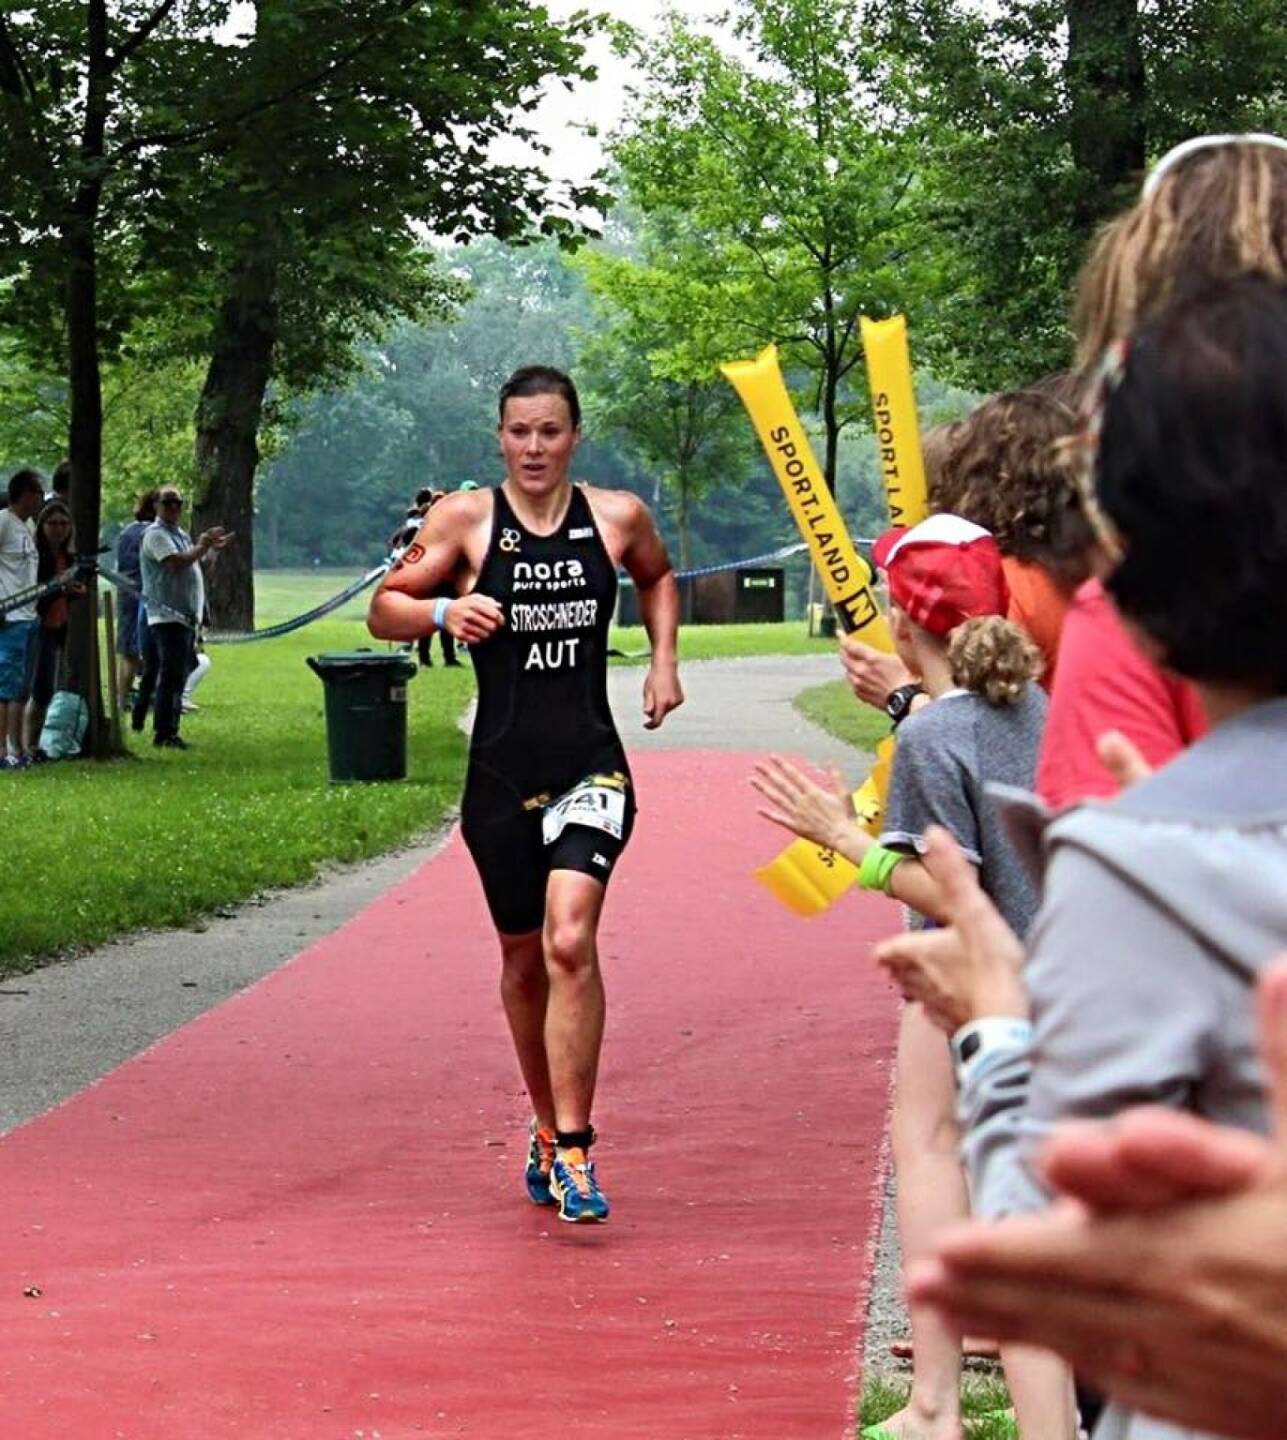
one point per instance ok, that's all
(988, 1039)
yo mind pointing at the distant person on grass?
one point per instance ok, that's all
(175, 598)
(55, 555)
(401, 540)
(128, 563)
(549, 803)
(18, 566)
(60, 482)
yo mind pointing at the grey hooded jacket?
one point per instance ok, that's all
(1158, 911)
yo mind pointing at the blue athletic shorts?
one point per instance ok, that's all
(127, 625)
(17, 652)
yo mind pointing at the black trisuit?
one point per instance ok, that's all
(543, 727)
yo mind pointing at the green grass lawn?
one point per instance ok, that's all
(164, 837)
(724, 642)
(985, 1406)
(282, 594)
(832, 707)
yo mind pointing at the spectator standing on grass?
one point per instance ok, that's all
(18, 567)
(60, 483)
(402, 541)
(55, 555)
(175, 597)
(128, 652)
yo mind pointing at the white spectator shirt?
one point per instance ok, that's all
(17, 562)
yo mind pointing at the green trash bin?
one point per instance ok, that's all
(366, 712)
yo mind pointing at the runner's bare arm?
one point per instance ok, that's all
(648, 565)
(403, 607)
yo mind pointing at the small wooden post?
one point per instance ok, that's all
(114, 699)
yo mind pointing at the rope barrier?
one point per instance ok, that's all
(81, 567)
(273, 632)
(87, 566)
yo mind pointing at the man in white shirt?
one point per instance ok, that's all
(17, 626)
(170, 561)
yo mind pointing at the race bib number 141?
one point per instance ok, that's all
(599, 802)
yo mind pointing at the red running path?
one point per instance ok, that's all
(301, 1216)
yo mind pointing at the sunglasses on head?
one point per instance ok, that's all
(170, 500)
(1185, 148)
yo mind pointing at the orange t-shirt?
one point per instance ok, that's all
(1038, 606)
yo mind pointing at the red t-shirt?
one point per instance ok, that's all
(1104, 683)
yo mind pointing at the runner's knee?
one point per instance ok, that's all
(522, 960)
(569, 946)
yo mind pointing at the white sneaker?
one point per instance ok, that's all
(186, 706)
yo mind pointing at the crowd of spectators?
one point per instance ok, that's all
(159, 611)
(1139, 510)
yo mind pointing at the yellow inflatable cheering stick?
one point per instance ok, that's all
(808, 878)
(893, 403)
(846, 575)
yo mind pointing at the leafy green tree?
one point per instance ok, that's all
(422, 409)
(800, 166)
(75, 82)
(314, 213)
(308, 154)
(651, 369)
(1039, 119)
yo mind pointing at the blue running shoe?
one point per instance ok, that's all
(573, 1186)
(540, 1161)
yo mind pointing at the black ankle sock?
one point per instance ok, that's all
(574, 1139)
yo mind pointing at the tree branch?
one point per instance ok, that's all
(173, 139)
(14, 74)
(140, 36)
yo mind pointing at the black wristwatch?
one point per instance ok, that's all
(899, 703)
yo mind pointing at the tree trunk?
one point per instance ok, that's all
(681, 517)
(228, 415)
(1107, 120)
(85, 431)
(830, 430)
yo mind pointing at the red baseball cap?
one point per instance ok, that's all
(943, 572)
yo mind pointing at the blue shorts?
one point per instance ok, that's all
(127, 625)
(17, 652)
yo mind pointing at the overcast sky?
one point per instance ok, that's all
(576, 156)
(561, 117)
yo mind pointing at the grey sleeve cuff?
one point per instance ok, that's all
(909, 844)
(997, 1133)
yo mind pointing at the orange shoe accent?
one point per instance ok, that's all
(574, 1159)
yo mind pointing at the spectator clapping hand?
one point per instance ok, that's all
(971, 967)
(1163, 1275)
(213, 539)
(807, 809)
(873, 674)
(1122, 758)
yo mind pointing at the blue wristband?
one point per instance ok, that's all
(440, 612)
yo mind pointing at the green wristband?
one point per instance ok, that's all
(877, 868)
